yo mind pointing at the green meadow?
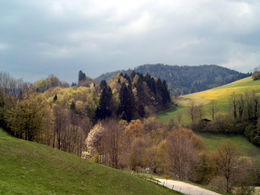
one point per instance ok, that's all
(246, 149)
(31, 168)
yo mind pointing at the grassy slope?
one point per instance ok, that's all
(31, 168)
(221, 95)
(247, 149)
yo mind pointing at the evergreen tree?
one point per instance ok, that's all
(141, 111)
(104, 108)
(126, 107)
(103, 84)
(162, 93)
(73, 106)
(141, 98)
(82, 76)
(166, 93)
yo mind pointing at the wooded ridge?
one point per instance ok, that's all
(186, 79)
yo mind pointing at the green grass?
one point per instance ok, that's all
(247, 149)
(31, 168)
(221, 95)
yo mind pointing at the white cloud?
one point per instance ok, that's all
(242, 58)
(141, 25)
(4, 47)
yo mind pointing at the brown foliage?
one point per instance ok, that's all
(135, 129)
(183, 149)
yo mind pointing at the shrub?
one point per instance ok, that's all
(256, 75)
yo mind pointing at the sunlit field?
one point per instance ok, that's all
(221, 95)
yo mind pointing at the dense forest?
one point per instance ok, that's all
(54, 113)
(187, 79)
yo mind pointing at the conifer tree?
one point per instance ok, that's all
(104, 108)
(82, 76)
(126, 107)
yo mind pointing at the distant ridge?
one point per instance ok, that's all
(186, 79)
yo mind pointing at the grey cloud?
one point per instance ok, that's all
(38, 38)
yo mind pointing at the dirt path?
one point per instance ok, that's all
(185, 188)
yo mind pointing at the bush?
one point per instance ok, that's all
(222, 124)
(253, 135)
(256, 76)
(218, 183)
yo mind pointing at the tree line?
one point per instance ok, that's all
(53, 113)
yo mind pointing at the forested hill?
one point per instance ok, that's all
(187, 79)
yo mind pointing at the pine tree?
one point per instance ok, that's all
(104, 109)
(166, 94)
(82, 76)
(126, 107)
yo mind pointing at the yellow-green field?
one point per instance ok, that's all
(221, 95)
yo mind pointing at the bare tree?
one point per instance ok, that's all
(61, 123)
(192, 111)
(11, 85)
(112, 136)
(227, 162)
(183, 150)
(72, 139)
(110, 143)
(199, 110)
(213, 109)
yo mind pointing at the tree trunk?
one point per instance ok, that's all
(227, 184)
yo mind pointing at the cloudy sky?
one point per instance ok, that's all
(38, 38)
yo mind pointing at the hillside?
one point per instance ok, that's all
(221, 95)
(247, 149)
(31, 168)
(186, 79)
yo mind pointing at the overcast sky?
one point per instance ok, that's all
(38, 38)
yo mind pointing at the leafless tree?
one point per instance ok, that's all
(183, 150)
(213, 109)
(111, 142)
(227, 162)
(192, 111)
(199, 110)
(61, 123)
